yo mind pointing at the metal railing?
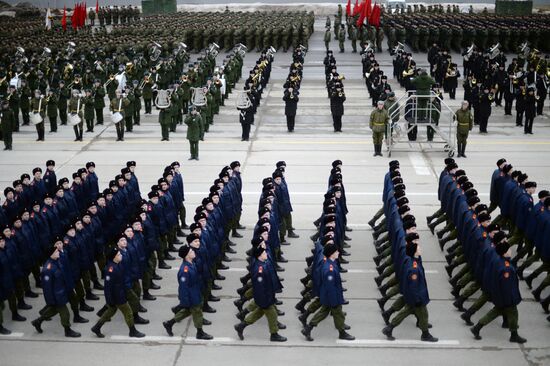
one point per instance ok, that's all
(420, 111)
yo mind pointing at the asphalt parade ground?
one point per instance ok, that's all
(308, 153)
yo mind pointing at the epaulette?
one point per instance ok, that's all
(415, 264)
(185, 269)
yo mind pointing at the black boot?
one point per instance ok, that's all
(4, 331)
(168, 326)
(134, 333)
(387, 331)
(163, 265)
(475, 331)
(207, 308)
(240, 328)
(37, 324)
(292, 234)
(345, 336)
(148, 296)
(307, 332)
(139, 320)
(85, 307)
(97, 330)
(516, 338)
(386, 316)
(201, 334)
(276, 337)
(71, 333)
(235, 234)
(300, 306)
(427, 337)
(78, 319)
(17, 317)
(91, 296)
(22, 305)
(303, 318)
(466, 316)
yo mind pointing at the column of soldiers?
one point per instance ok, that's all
(254, 86)
(399, 259)
(323, 291)
(365, 33)
(262, 282)
(481, 251)
(146, 54)
(291, 87)
(335, 90)
(72, 230)
(457, 31)
(206, 251)
(528, 223)
(114, 15)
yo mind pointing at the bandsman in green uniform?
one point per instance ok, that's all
(7, 122)
(89, 110)
(75, 108)
(38, 105)
(194, 131)
(465, 123)
(51, 109)
(99, 100)
(379, 120)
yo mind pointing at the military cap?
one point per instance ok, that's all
(329, 249)
(184, 250)
(192, 237)
(152, 194)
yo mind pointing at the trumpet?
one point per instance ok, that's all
(408, 72)
(143, 81)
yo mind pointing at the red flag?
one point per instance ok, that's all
(355, 8)
(64, 19)
(73, 17)
(361, 12)
(97, 6)
(375, 16)
(348, 8)
(368, 10)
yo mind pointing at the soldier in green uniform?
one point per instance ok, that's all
(327, 37)
(379, 119)
(423, 84)
(137, 102)
(13, 99)
(75, 107)
(7, 122)
(194, 131)
(165, 120)
(173, 110)
(129, 109)
(39, 106)
(24, 101)
(465, 123)
(51, 109)
(63, 98)
(353, 37)
(337, 23)
(456, 41)
(99, 100)
(118, 105)
(341, 38)
(89, 103)
(379, 39)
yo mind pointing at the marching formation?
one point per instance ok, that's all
(335, 89)
(323, 283)
(262, 282)
(399, 259)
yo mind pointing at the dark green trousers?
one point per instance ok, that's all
(337, 315)
(195, 312)
(271, 315)
(421, 313)
(111, 310)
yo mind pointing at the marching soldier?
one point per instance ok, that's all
(51, 109)
(379, 120)
(63, 98)
(75, 109)
(465, 123)
(38, 106)
(189, 292)
(99, 100)
(115, 295)
(89, 109)
(118, 105)
(194, 123)
(341, 37)
(165, 120)
(7, 121)
(291, 99)
(327, 37)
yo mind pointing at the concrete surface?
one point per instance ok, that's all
(308, 153)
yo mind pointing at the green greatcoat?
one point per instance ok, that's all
(379, 119)
(193, 123)
(465, 123)
(51, 108)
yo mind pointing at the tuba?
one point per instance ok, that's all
(400, 47)
(303, 49)
(163, 99)
(243, 101)
(46, 53)
(70, 50)
(524, 48)
(241, 49)
(197, 97)
(368, 48)
(271, 51)
(182, 48)
(156, 50)
(213, 49)
(20, 55)
(494, 51)
(468, 53)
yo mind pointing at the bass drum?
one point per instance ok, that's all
(36, 118)
(74, 119)
(116, 117)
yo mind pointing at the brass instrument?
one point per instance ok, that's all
(156, 50)
(143, 81)
(68, 70)
(243, 100)
(129, 67)
(198, 97)
(46, 53)
(98, 66)
(408, 72)
(69, 51)
(271, 51)
(111, 78)
(241, 49)
(524, 48)
(182, 48)
(469, 52)
(163, 99)
(494, 51)
(20, 55)
(213, 49)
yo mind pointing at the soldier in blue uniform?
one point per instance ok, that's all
(331, 295)
(50, 179)
(504, 294)
(264, 297)
(115, 295)
(415, 294)
(189, 294)
(56, 293)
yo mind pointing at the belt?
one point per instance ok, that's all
(379, 124)
(464, 124)
(73, 111)
(35, 110)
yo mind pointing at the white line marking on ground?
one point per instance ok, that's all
(176, 339)
(309, 193)
(12, 335)
(430, 271)
(215, 340)
(398, 342)
(419, 164)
